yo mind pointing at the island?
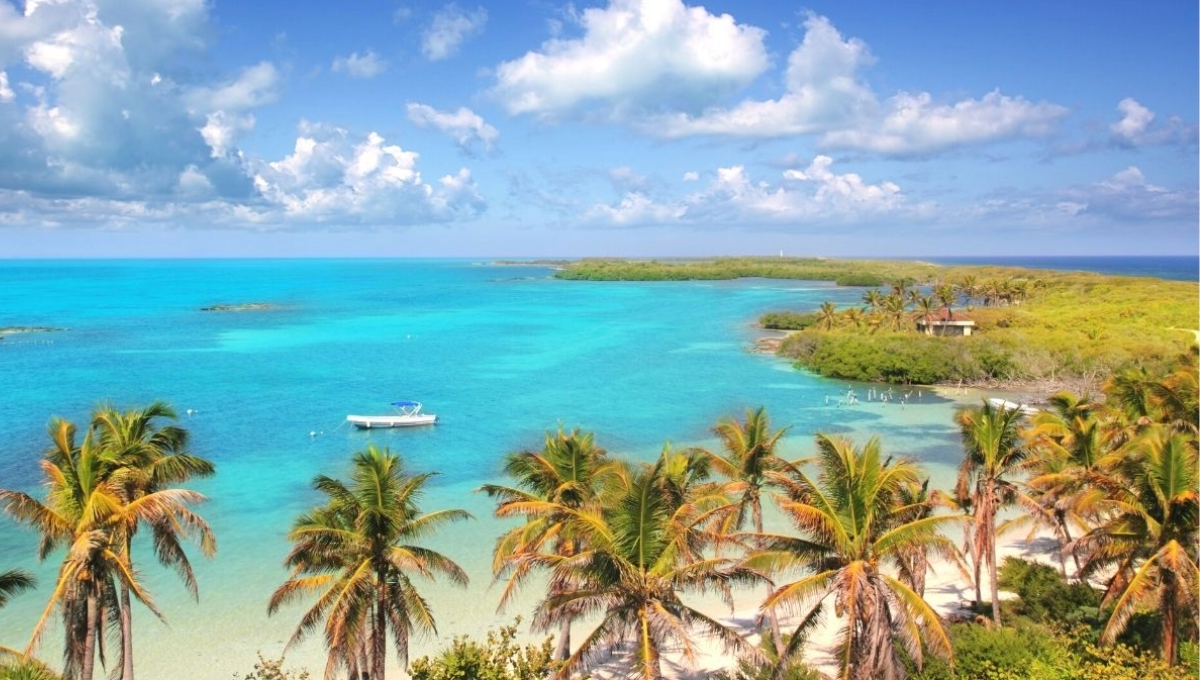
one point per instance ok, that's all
(1034, 330)
(240, 307)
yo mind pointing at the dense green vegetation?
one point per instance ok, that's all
(1031, 325)
(621, 544)
(842, 272)
(1056, 327)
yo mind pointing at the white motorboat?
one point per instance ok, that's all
(408, 414)
(1006, 405)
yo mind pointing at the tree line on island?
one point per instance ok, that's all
(620, 544)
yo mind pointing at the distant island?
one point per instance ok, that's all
(15, 330)
(241, 307)
(920, 323)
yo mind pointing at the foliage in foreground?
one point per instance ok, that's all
(1026, 650)
(499, 657)
(272, 669)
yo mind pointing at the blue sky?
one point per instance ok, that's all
(629, 127)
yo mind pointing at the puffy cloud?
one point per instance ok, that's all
(691, 176)
(464, 126)
(221, 130)
(1136, 127)
(6, 93)
(825, 95)
(635, 55)
(823, 91)
(1127, 195)
(450, 28)
(912, 124)
(355, 65)
(813, 194)
(331, 178)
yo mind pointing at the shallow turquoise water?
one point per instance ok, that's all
(499, 353)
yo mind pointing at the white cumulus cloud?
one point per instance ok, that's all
(635, 55)
(824, 91)
(6, 93)
(1137, 128)
(332, 178)
(464, 126)
(913, 124)
(450, 28)
(357, 65)
(812, 195)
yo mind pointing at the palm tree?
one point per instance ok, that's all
(850, 522)
(86, 513)
(945, 295)
(968, 289)
(828, 315)
(356, 552)
(564, 476)
(12, 582)
(1068, 446)
(643, 549)
(748, 458)
(894, 308)
(926, 310)
(1150, 539)
(146, 458)
(855, 317)
(994, 453)
(873, 299)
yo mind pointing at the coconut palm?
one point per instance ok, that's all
(850, 522)
(86, 513)
(357, 553)
(828, 316)
(855, 317)
(994, 454)
(968, 289)
(926, 309)
(1068, 445)
(747, 458)
(145, 457)
(894, 308)
(873, 299)
(644, 547)
(13, 582)
(945, 294)
(1149, 542)
(565, 475)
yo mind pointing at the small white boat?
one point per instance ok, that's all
(1007, 405)
(408, 414)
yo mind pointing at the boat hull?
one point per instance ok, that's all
(380, 422)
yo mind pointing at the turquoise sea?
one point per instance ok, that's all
(500, 353)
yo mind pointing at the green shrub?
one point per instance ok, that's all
(1045, 595)
(498, 658)
(788, 321)
(267, 669)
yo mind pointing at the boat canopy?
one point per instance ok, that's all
(406, 403)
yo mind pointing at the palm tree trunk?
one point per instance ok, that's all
(89, 640)
(1169, 653)
(562, 651)
(772, 618)
(127, 618)
(651, 661)
(126, 635)
(990, 553)
(379, 633)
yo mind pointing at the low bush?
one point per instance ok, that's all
(497, 658)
